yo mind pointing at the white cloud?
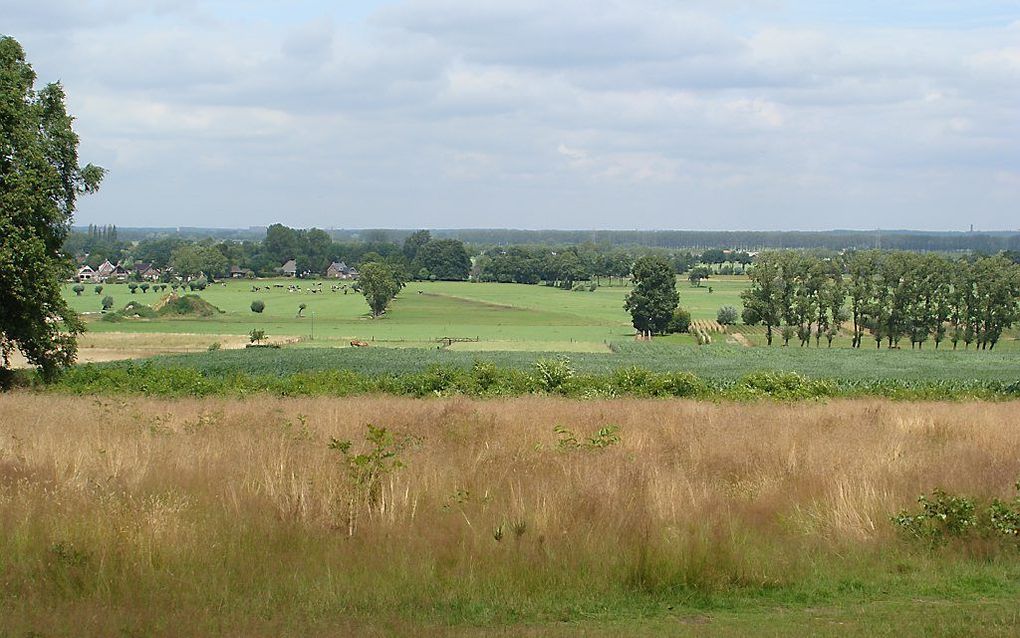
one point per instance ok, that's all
(445, 113)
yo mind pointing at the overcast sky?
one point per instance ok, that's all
(699, 114)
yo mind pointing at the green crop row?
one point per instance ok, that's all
(485, 379)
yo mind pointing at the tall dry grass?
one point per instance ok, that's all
(236, 513)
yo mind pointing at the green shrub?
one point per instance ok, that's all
(551, 374)
(78, 289)
(258, 306)
(945, 517)
(132, 287)
(681, 321)
(107, 302)
(99, 290)
(727, 315)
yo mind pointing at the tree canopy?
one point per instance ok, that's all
(654, 298)
(40, 181)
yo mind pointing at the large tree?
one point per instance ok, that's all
(40, 181)
(654, 298)
(380, 283)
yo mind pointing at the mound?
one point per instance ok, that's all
(186, 306)
(133, 310)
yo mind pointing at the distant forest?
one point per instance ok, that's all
(983, 242)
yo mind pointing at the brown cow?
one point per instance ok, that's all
(359, 344)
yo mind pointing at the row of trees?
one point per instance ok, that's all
(884, 296)
(420, 256)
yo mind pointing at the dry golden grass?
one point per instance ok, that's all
(96, 347)
(205, 510)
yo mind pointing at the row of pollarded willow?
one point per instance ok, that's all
(889, 296)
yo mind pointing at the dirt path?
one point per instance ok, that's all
(740, 339)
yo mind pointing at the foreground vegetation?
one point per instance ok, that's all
(293, 516)
(635, 369)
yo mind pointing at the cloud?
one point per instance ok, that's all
(604, 113)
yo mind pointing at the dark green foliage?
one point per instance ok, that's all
(258, 306)
(727, 315)
(443, 259)
(107, 302)
(78, 289)
(654, 298)
(681, 321)
(40, 181)
(99, 290)
(380, 283)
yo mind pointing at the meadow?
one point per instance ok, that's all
(500, 316)
(531, 516)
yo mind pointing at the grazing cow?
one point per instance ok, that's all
(359, 344)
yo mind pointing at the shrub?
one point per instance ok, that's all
(785, 385)
(78, 289)
(551, 374)
(99, 290)
(681, 321)
(132, 287)
(107, 302)
(256, 335)
(727, 315)
(258, 306)
(214, 346)
(145, 287)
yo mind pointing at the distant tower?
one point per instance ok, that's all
(972, 228)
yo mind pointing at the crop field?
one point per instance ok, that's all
(531, 516)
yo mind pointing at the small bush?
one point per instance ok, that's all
(78, 289)
(145, 287)
(132, 287)
(258, 306)
(99, 290)
(107, 302)
(727, 315)
(681, 321)
(945, 518)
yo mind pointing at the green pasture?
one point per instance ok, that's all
(499, 316)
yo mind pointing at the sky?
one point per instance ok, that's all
(609, 114)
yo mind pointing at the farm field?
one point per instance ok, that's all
(500, 316)
(198, 517)
(712, 362)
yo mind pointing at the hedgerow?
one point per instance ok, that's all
(486, 379)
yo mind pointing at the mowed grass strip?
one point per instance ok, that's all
(238, 517)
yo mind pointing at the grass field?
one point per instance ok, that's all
(210, 517)
(504, 316)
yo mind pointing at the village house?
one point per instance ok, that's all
(86, 275)
(120, 274)
(147, 272)
(340, 270)
(105, 270)
(289, 268)
(241, 273)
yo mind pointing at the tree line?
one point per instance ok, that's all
(884, 296)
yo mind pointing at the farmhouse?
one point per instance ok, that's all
(119, 274)
(86, 274)
(340, 270)
(105, 270)
(147, 272)
(289, 268)
(240, 273)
